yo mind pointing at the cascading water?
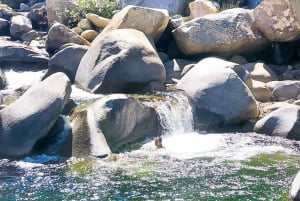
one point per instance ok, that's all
(176, 113)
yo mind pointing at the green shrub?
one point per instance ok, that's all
(102, 8)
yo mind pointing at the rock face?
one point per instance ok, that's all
(295, 188)
(59, 35)
(153, 24)
(200, 8)
(173, 6)
(31, 117)
(230, 31)
(124, 119)
(121, 61)
(19, 25)
(283, 122)
(278, 20)
(55, 9)
(219, 95)
(284, 90)
(66, 61)
(19, 53)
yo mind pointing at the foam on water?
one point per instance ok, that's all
(80, 96)
(218, 146)
(17, 79)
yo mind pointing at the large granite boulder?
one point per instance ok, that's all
(59, 35)
(12, 52)
(153, 22)
(173, 6)
(231, 31)
(31, 117)
(278, 20)
(121, 61)
(66, 61)
(283, 122)
(124, 119)
(19, 25)
(219, 95)
(284, 90)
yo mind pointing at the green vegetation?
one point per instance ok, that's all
(102, 8)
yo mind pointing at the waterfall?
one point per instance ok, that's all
(175, 113)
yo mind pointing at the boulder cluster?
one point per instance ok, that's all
(238, 66)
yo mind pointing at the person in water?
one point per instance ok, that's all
(158, 142)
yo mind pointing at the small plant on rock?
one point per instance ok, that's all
(102, 8)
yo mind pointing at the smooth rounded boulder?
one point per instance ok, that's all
(121, 61)
(59, 35)
(19, 25)
(31, 117)
(231, 31)
(219, 95)
(283, 122)
(151, 22)
(284, 90)
(124, 119)
(67, 61)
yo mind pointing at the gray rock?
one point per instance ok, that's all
(261, 72)
(58, 141)
(121, 61)
(85, 24)
(66, 61)
(124, 120)
(12, 52)
(19, 25)
(59, 35)
(29, 36)
(283, 122)
(31, 117)
(295, 188)
(231, 31)
(38, 17)
(219, 96)
(173, 6)
(24, 7)
(284, 90)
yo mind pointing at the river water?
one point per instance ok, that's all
(191, 166)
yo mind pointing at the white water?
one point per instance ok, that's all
(180, 141)
(17, 79)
